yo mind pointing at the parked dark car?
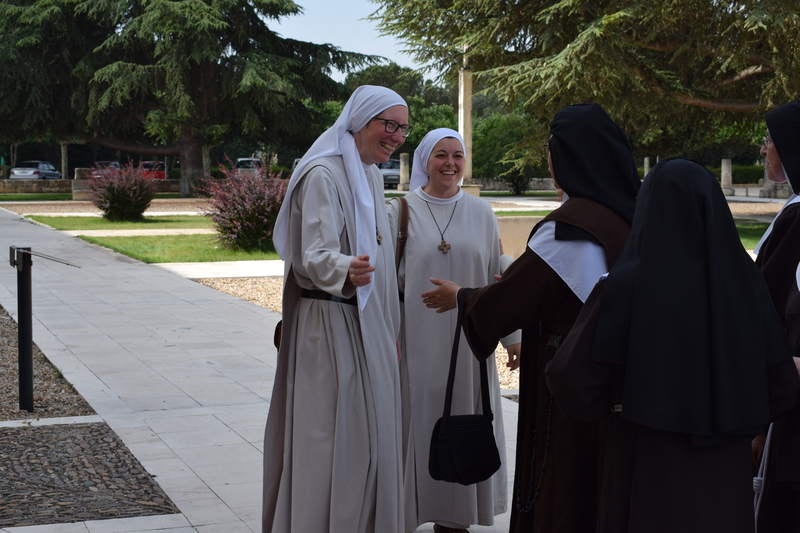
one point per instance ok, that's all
(391, 173)
(103, 168)
(34, 170)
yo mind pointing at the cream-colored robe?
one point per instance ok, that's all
(473, 261)
(333, 450)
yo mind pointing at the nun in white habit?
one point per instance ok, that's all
(332, 450)
(451, 235)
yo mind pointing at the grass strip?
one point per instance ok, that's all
(750, 232)
(90, 223)
(177, 249)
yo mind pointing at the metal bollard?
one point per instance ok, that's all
(21, 258)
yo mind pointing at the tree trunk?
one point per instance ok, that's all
(64, 161)
(191, 163)
(206, 161)
(13, 155)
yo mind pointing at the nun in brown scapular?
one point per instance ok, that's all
(684, 362)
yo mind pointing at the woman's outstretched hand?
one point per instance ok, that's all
(443, 297)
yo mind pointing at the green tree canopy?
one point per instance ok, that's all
(405, 81)
(44, 51)
(659, 67)
(170, 77)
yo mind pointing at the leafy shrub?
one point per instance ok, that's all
(747, 173)
(244, 207)
(742, 173)
(517, 181)
(122, 193)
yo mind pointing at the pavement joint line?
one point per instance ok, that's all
(65, 420)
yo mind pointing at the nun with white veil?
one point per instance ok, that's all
(333, 448)
(451, 235)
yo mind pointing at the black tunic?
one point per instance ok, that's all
(652, 481)
(679, 351)
(778, 259)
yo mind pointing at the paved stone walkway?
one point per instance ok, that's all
(180, 372)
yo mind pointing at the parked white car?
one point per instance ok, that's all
(34, 170)
(247, 166)
(391, 173)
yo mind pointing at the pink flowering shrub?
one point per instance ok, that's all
(244, 207)
(122, 193)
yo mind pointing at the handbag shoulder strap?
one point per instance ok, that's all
(402, 233)
(451, 375)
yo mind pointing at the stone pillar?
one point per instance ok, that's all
(646, 166)
(81, 184)
(465, 124)
(726, 174)
(405, 172)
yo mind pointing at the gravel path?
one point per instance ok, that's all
(53, 396)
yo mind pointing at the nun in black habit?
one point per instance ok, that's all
(541, 293)
(778, 252)
(684, 359)
(778, 256)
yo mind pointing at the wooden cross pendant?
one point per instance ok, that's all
(444, 246)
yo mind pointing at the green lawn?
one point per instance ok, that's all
(177, 249)
(750, 232)
(160, 222)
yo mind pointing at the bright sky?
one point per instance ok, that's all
(342, 23)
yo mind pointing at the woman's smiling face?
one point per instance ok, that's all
(374, 143)
(445, 167)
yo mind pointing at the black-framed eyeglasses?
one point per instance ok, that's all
(766, 140)
(392, 126)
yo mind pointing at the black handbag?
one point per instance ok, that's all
(463, 449)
